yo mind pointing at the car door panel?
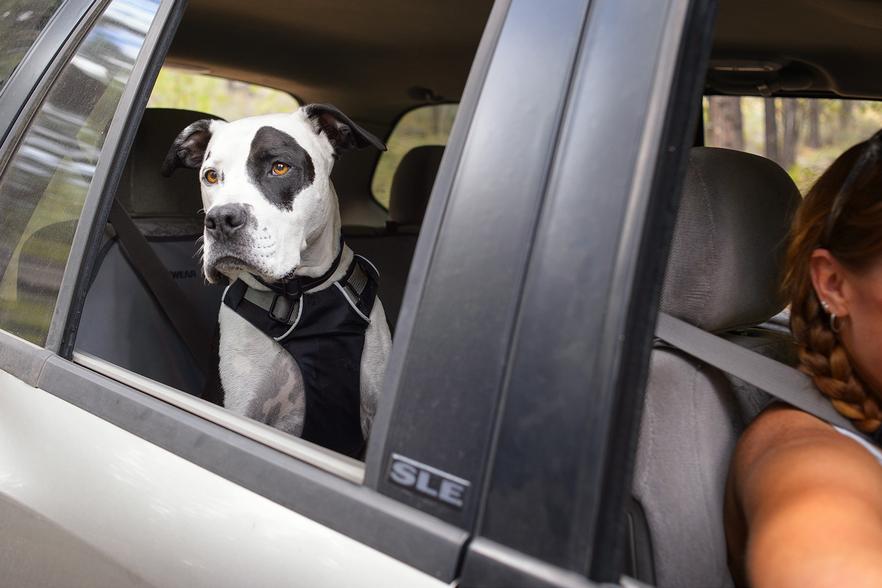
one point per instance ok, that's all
(158, 516)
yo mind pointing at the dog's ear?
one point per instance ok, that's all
(188, 150)
(339, 128)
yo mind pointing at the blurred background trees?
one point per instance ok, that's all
(804, 135)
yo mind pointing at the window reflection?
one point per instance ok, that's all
(21, 22)
(45, 184)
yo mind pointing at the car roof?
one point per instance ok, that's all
(364, 57)
(375, 60)
(798, 47)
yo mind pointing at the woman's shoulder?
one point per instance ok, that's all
(796, 482)
(784, 434)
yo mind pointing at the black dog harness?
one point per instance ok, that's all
(324, 333)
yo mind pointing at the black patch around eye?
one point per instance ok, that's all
(268, 146)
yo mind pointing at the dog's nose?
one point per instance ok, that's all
(224, 221)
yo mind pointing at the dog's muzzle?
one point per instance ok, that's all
(223, 223)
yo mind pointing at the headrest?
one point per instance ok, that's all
(412, 184)
(143, 191)
(731, 233)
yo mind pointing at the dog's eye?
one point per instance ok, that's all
(280, 169)
(210, 176)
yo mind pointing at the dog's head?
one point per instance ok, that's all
(266, 185)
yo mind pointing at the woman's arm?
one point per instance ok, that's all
(812, 502)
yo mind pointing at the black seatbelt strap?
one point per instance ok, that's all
(171, 299)
(781, 381)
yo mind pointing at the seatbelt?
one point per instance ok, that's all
(780, 380)
(155, 275)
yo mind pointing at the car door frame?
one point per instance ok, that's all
(393, 520)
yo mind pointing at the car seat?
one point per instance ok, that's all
(391, 248)
(722, 276)
(122, 322)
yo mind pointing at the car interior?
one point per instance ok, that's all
(376, 62)
(723, 273)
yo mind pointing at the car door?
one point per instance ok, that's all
(93, 493)
(113, 479)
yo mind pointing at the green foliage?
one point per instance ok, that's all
(841, 127)
(228, 99)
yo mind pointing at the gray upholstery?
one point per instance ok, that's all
(122, 322)
(730, 236)
(722, 273)
(412, 184)
(391, 249)
(142, 191)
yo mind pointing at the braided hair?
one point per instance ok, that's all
(843, 214)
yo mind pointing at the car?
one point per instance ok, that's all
(533, 431)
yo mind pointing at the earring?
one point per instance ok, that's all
(834, 326)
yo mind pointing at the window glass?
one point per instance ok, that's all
(228, 99)
(804, 135)
(44, 186)
(20, 23)
(428, 125)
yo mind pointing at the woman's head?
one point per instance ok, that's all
(833, 280)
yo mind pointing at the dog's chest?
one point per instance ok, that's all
(260, 379)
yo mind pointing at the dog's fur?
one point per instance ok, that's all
(291, 228)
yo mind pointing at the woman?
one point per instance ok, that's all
(804, 499)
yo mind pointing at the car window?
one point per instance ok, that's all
(44, 186)
(427, 125)
(228, 99)
(804, 135)
(21, 21)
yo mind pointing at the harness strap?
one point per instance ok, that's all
(284, 308)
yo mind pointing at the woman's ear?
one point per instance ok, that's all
(829, 279)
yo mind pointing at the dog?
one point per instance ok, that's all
(272, 228)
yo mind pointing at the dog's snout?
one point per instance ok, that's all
(226, 220)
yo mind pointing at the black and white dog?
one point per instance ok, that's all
(303, 342)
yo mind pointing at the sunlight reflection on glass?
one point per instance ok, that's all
(45, 185)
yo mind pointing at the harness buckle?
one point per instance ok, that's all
(285, 311)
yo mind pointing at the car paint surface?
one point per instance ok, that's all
(187, 526)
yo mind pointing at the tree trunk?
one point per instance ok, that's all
(814, 124)
(772, 142)
(846, 112)
(726, 122)
(790, 142)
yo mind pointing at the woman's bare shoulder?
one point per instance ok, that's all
(777, 427)
(785, 446)
(797, 483)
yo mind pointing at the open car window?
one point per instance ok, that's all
(802, 135)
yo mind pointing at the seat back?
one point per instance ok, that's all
(722, 276)
(391, 248)
(122, 322)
